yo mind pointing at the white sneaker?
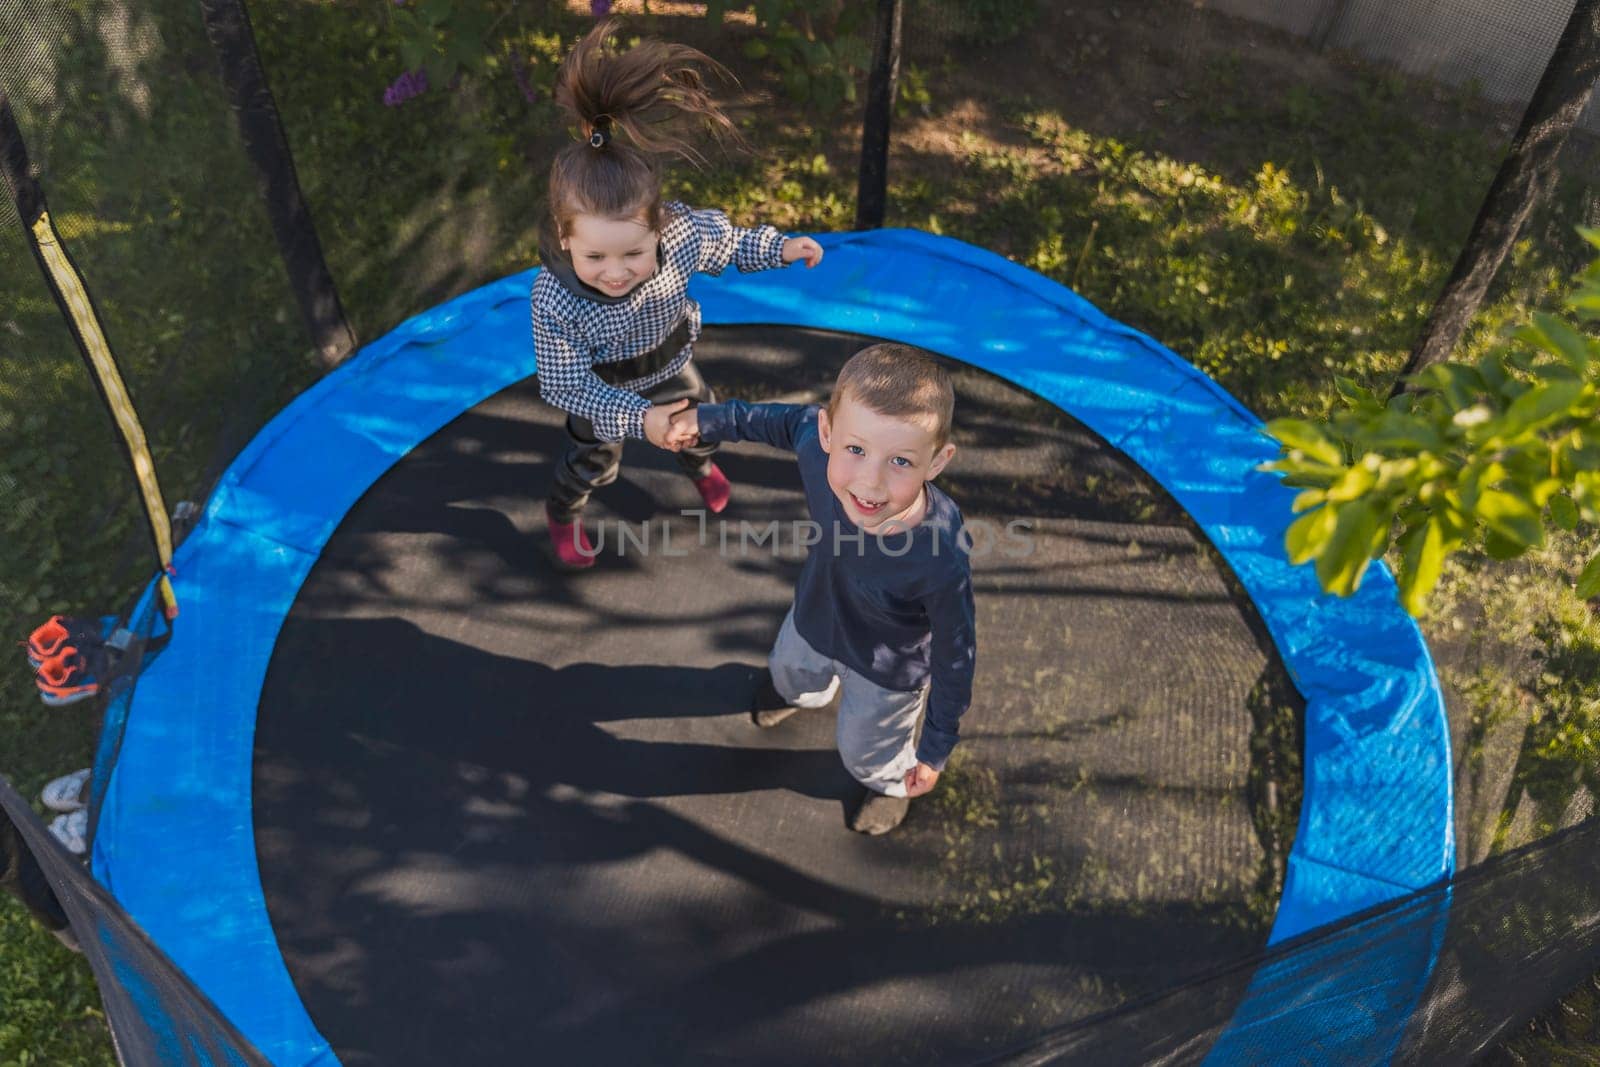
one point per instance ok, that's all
(65, 793)
(72, 830)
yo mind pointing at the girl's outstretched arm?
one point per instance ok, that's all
(722, 243)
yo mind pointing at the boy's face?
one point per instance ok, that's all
(611, 255)
(877, 463)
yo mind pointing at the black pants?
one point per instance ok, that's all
(590, 463)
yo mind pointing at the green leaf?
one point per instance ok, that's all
(1477, 477)
(1307, 534)
(1533, 487)
(1299, 475)
(1590, 234)
(1395, 472)
(1457, 381)
(1589, 581)
(435, 11)
(1352, 390)
(1395, 430)
(1492, 370)
(1564, 512)
(1345, 556)
(1310, 498)
(1301, 436)
(1502, 548)
(1355, 481)
(1586, 490)
(1564, 341)
(1421, 564)
(1542, 404)
(1510, 516)
(413, 53)
(1584, 300)
(796, 83)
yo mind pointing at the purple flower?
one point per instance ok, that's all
(599, 8)
(411, 83)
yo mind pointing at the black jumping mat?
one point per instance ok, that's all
(506, 815)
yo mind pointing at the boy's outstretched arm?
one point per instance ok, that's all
(953, 653)
(778, 425)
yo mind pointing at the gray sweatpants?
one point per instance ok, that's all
(877, 727)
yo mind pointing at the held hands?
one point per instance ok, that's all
(920, 779)
(660, 425)
(684, 430)
(672, 426)
(802, 248)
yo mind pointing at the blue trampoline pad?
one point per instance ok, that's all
(178, 842)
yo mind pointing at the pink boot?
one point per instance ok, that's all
(714, 489)
(569, 544)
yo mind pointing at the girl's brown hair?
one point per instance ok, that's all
(619, 102)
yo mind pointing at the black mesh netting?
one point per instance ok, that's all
(157, 1016)
(1512, 932)
(136, 152)
(137, 149)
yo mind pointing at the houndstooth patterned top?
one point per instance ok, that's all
(572, 331)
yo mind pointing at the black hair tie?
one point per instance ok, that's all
(602, 132)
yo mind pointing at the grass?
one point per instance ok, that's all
(51, 1013)
(1274, 223)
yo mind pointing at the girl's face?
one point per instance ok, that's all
(611, 255)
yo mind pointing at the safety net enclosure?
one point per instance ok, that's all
(571, 781)
(389, 789)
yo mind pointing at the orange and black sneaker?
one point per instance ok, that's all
(68, 676)
(60, 632)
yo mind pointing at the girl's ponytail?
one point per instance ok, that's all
(622, 104)
(610, 92)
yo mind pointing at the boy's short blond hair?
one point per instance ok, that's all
(898, 381)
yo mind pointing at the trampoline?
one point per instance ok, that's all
(396, 792)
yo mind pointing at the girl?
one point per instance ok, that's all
(613, 325)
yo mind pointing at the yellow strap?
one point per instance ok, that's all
(70, 286)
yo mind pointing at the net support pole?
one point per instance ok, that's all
(872, 188)
(72, 297)
(228, 28)
(1526, 176)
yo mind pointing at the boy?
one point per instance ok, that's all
(883, 607)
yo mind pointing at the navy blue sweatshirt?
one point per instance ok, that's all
(896, 610)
